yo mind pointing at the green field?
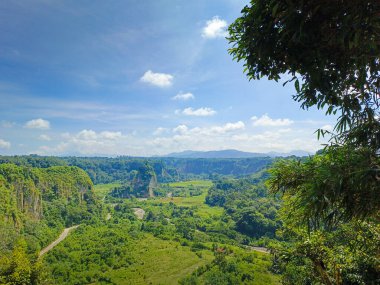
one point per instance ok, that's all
(160, 262)
(202, 209)
(101, 190)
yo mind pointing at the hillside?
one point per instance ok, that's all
(35, 205)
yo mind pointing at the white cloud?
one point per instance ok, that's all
(38, 124)
(180, 129)
(86, 135)
(89, 142)
(201, 112)
(4, 144)
(183, 96)
(215, 28)
(229, 127)
(89, 135)
(157, 79)
(110, 135)
(44, 137)
(266, 121)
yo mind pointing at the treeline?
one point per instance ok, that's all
(106, 170)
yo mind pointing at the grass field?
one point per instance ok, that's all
(101, 190)
(202, 209)
(160, 262)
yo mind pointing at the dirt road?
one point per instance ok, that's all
(62, 236)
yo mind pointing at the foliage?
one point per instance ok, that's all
(107, 170)
(331, 50)
(35, 205)
(232, 266)
(348, 254)
(18, 269)
(338, 184)
(247, 204)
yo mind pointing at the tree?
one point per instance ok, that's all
(331, 49)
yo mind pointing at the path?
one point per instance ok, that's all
(57, 241)
(139, 213)
(258, 248)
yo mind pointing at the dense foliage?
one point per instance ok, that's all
(332, 52)
(248, 204)
(36, 204)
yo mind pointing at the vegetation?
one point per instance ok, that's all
(36, 204)
(120, 169)
(148, 250)
(331, 209)
(247, 203)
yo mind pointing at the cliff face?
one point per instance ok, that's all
(144, 181)
(24, 190)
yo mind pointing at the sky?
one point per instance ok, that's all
(137, 78)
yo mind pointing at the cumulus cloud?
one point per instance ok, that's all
(4, 144)
(157, 79)
(44, 137)
(88, 141)
(200, 112)
(266, 121)
(229, 127)
(182, 129)
(183, 96)
(215, 28)
(92, 135)
(38, 124)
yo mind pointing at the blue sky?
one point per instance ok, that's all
(136, 78)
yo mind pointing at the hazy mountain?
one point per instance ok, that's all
(232, 153)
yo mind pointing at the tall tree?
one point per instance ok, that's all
(331, 51)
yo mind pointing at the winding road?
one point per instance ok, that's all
(61, 237)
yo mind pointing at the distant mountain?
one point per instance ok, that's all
(232, 153)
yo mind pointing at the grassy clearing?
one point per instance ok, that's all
(160, 262)
(204, 210)
(101, 190)
(195, 183)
